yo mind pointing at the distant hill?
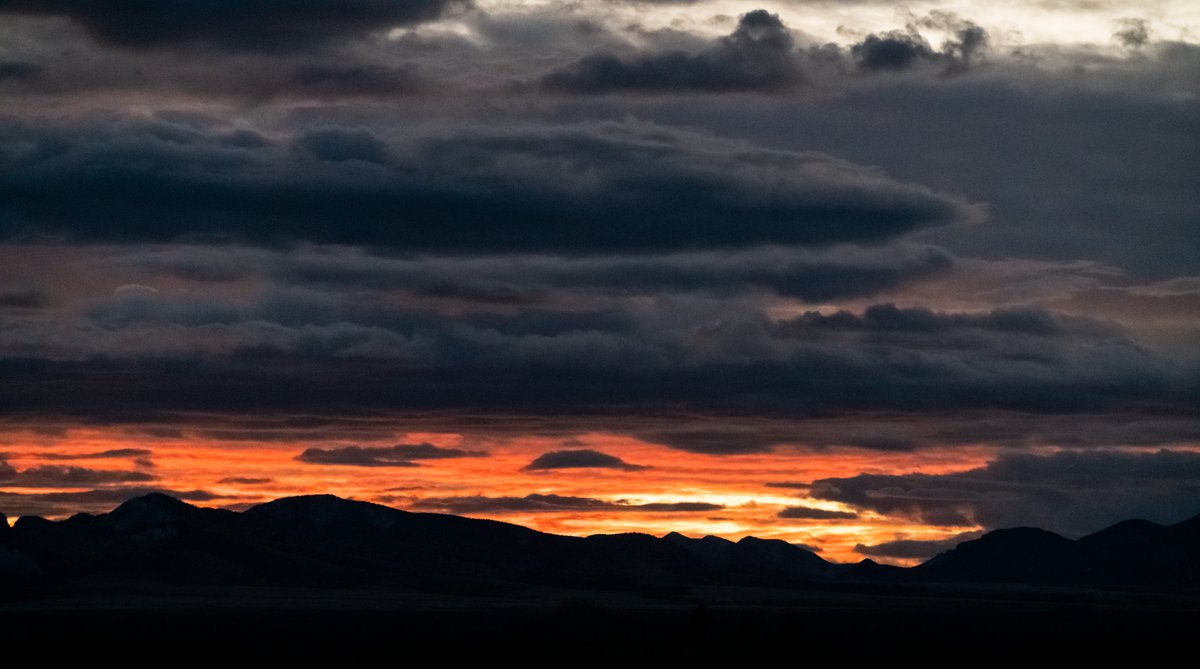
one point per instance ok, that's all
(1133, 552)
(322, 540)
(326, 540)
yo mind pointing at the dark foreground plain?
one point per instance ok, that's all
(846, 626)
(328, 581)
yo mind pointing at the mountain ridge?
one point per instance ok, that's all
(325, 540)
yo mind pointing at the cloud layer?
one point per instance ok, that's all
(582, 458)
(758, 55)
(228, 24)
(593, 188)
(398, 455)
(917, 270)
(539, 503)
(1070, 492)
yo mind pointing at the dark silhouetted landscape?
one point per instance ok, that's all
(328, 571)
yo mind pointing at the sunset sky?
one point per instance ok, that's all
(865, 277)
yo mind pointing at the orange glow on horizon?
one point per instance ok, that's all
(241, 473)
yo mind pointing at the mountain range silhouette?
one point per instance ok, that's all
(323, 540)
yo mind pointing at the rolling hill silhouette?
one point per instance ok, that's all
(1132, 552)
(323, 540)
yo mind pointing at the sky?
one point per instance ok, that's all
(866, 277)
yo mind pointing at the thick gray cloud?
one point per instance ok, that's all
(62, 476)
(117, 453)
(339, 81)
(813, 513)
(819, 275)
(593, 188)
(954, 133)
(398, 455)
(246, 480)
(1070, 492)
(275, 354)
(336, 145)
(18, 70)
(758, 55)
(715, 440)
(914, 549)
(891, 51)
(581, 458)
(887, 319)
(272, 25)
(551, 503)
(22, 299)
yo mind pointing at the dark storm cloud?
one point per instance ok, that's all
(101, 500)
(338, 145)
(673, 507)
(59, 476)
(790, 485)
(758, 55)
(790, 274)
(914, 549)
(246, 480)
(398, 455)
(551, 503)
(890, 319)
(841, 272)
(580, 459)
(22, 299)
(112, 453)
(759, 437)
(257, 81)
(326, 354)
(19, 71)
(1071, 492)
(1041, 119)
(270, 25)
(720, 440)
(811, 513)
(903, 49)
(588, 188)
(891, 51)
(349, 81)
(938, 429)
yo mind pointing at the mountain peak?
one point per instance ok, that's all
(154, 499)
(1016, 538)
(324, 503)
(27, 522)
(152, 509)
(157, 501)
(320, 499)
(306, 512)
(1022, 532)
(756, 540)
